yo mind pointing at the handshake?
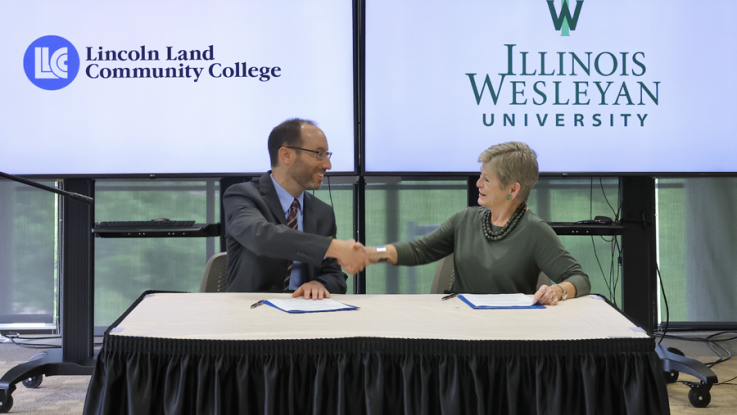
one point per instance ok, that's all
(354, 257)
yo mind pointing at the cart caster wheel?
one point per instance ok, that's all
(699, 398)
(34, 382)
(670, 377)
(5, 406)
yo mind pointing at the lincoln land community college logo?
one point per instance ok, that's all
(563, 20)
(51, 62)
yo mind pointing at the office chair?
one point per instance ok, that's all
(444, 275)
(415, 231)
(216, 274)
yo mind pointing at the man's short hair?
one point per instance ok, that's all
(513, 162)
(286, 134)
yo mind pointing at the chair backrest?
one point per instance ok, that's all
(216, 274)
(443, 276)
(415, 231)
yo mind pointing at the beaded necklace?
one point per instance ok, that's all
(508, 227)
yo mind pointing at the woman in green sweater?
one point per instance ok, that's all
(499, 246)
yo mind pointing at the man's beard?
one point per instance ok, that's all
(303, 174)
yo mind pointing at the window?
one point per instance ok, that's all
(126, 267)
(28, 257)
(696, 248)
(399, 210)
(572, 200)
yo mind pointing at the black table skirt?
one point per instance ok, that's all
(137, 375)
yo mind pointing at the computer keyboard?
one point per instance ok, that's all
(157, 224)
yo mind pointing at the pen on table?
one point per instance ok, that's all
(254, 305)
(449, 296)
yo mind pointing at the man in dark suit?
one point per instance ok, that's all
(280, 237)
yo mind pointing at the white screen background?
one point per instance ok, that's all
(134, 126)
(422, 116)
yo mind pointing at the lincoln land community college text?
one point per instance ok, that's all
(192, 58)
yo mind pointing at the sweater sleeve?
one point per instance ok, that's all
(557, 263)
(431, 247)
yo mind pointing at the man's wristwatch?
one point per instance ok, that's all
(381, 249)
(565, 293)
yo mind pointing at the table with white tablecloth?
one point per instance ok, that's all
(211, 353)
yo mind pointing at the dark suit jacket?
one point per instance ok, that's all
(261, 246)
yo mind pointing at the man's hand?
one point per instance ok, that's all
(312, 289)
(351, 255)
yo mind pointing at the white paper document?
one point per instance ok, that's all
(498, 300)
(300, 305)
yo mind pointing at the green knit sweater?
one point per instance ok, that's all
(511, 265)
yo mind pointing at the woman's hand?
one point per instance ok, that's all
(388, 255)
(547, 295)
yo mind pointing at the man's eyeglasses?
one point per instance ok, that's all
(318, 155)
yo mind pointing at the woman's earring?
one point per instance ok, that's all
(509, 196)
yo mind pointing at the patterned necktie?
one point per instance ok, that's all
(292, 223)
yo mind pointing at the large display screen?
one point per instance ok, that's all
(169, 86)
(593, 86)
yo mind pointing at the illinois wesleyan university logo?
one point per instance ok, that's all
(51, 62)
(563, 20)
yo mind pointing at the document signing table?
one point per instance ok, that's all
(210, 353)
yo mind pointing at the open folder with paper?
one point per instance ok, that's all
(498, 301)
(300, 305)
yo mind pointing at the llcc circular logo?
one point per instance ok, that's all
(51, 62)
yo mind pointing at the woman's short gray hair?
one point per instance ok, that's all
(513, 162)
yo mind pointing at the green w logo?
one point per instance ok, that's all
(564, 21)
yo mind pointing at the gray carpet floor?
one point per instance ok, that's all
(66, 394)
(56, 395)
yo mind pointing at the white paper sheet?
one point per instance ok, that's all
(499, 300)
(309, 306)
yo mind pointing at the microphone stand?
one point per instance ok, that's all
(76, 355)
(75, 196)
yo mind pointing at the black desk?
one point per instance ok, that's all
(412, 354)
